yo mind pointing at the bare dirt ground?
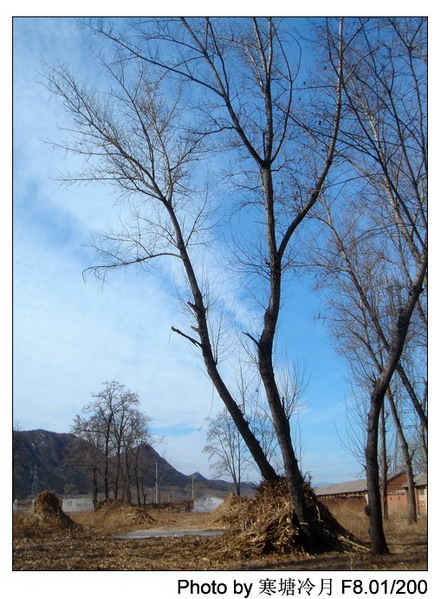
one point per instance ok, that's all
(89, 544)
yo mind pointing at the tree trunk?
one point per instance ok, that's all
(414, 399)
(199, 310)
(377, 536)
(294, 478)
(136, 476)
(127, 476)
(116, 482)
(412, 509)
(106, 479)
(384, 461)
(95, 486)
(138, 491)
(266, 469)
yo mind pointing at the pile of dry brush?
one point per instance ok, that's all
(47, 518)
(266, 524)
(122, 511)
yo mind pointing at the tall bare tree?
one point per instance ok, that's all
(135, 437)
(181, 87)
(219, 57)
(379, 249)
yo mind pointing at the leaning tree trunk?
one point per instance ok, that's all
(204, 343)
(318, 530)
(294, 478)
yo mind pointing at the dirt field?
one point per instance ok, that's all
(88, 543)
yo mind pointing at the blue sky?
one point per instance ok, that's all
(71, 336)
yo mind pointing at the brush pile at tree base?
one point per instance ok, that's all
(266, 524)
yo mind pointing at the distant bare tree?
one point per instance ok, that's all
(136, 436)
(226, 449)
(114, 427)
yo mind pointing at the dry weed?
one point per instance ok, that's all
(115, 516)
(352, 518)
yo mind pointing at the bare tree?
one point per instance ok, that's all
(97, 428)
(152, 166)
(144, 139)
(114, 427)
(227, 449)
(141, 463)
(135, 437)
(208, 55)
(379, 248)
(91, 454)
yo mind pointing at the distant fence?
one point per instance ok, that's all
(180, 506)
(85, 504)
(23, 507)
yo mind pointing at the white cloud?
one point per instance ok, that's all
(70, 337)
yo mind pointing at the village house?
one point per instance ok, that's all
(421, 485)
(354, 493)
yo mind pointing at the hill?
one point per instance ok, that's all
(44, 460)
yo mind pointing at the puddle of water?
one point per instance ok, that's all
(154, 534)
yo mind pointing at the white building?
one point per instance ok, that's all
(77, 504)
(207, 504)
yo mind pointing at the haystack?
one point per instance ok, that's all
(48, 518)
(267, 524)
(123, 512)
(48, 509)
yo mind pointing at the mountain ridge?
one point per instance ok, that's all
(46, 460)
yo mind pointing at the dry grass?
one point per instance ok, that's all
(352, 518)
(115, 516)
(396, 526)
(264, 525)
(88, 542)
(124, 518)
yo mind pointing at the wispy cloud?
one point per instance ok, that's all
(70, 336)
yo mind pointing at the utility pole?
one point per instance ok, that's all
(157, 485)
(34, 485)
